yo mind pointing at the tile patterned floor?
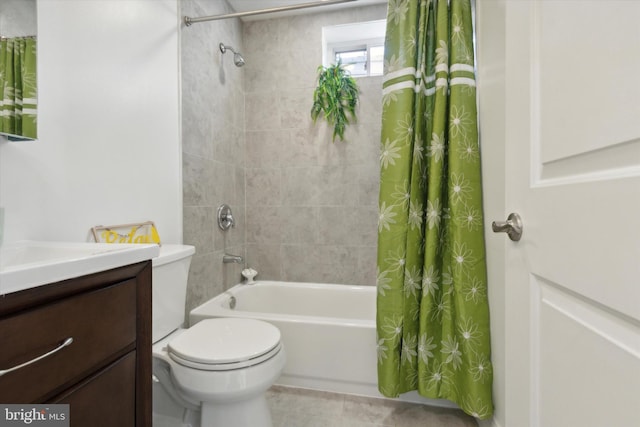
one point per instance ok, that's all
(295, 407)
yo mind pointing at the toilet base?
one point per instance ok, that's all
(168, 413)
(245, 413)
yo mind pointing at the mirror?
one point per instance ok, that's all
(18, 90)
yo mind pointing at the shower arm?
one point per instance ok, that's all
(189, 20)
(224, 48)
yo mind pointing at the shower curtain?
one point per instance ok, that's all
(18, 84)
(432, 310)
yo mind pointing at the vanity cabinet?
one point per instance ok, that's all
(97, 331)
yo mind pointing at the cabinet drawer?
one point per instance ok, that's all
(102, 323)
(105, 400)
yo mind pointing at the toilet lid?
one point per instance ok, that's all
(225, 343)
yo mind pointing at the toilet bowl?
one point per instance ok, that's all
(215, 373)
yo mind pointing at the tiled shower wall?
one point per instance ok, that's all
(213, 147)
(311, 204)
(306, 208)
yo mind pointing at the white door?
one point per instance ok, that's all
(572, 152)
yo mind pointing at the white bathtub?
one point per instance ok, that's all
(328, 331)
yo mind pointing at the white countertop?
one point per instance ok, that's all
(27, 264)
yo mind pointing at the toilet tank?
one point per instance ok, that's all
(169, 273)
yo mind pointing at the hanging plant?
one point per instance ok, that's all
(336, 97)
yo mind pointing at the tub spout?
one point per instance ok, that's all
(228, 258)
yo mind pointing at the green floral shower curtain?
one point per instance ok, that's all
(432, 309)
(18, 103)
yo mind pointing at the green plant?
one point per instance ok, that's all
(336, 96)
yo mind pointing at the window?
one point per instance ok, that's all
(366, 60)
(359, 47)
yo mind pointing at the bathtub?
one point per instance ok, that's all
(328, 332)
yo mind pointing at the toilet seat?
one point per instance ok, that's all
(223, 344)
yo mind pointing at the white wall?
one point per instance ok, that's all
(490, 33)
(108, 125)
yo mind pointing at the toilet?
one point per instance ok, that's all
(215, 373)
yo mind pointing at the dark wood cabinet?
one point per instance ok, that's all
(104, 374)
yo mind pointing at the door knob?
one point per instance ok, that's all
(512, 226)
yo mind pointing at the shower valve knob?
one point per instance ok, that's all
(225, 217)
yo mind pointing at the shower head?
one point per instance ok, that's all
(237, 57)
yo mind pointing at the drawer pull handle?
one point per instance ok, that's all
(64, 344)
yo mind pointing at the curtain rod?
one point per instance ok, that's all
(188, 20)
